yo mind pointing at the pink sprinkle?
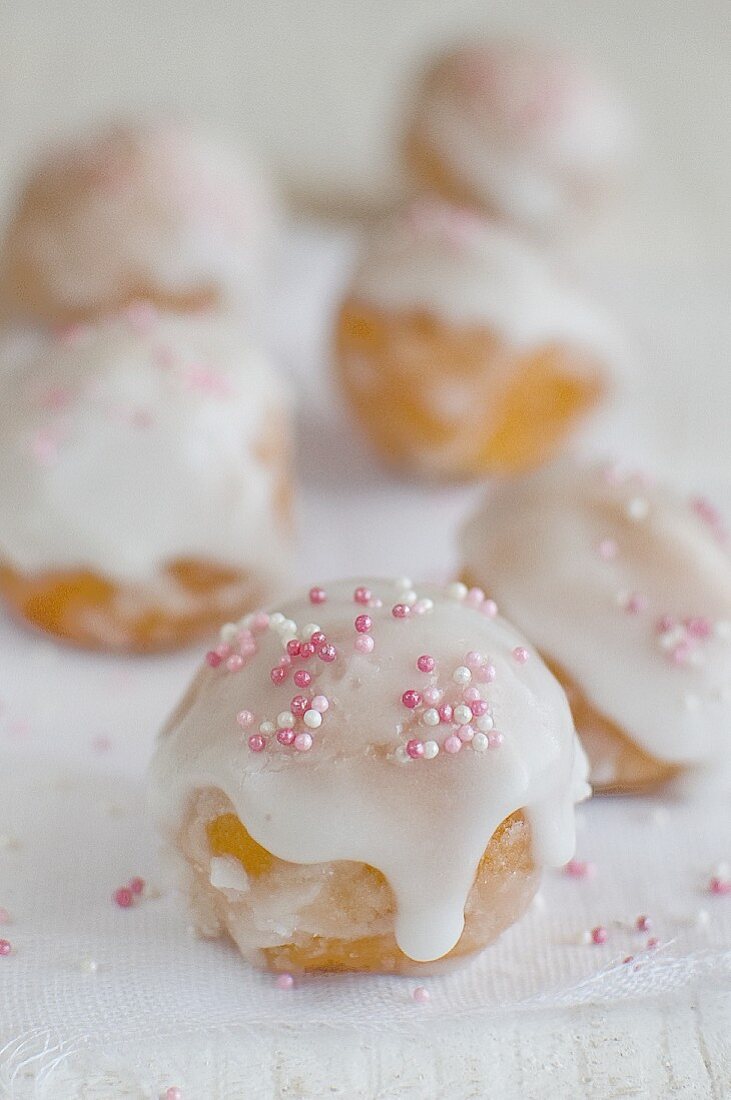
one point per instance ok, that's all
(411, 699)
(123, 897)
(643, 924)
(257, 743)
(521, 654)
(680, 654)
(173, 1093)
(465, 733)
(698, 627)
(719, 886)
(362, 595)
(473, 659)
(425, 663)
(4, 915)
(421, 995)
(495, 739)
(628, 959)
(235, 662)
(286, 736)
(244, 718)
(5, 947)
(489, 608)
(303, 742)
(320, 703)
(317, 595)
(327, 653)
(665, 624)
(299, 705)
(284, 981)
(445, 712)
(471, 695)
(363, 624)
(137, 885)
(278, 675)
(653, 942)
(364, 643)
(285, 660)
(302, 678)
(307, 650)
(213, 659)
(317, 637)
(223, 650)
(452, 744)
(479, 707)
(579, 868)
(607, 549)
(475, 597)
(415, 748)
(599, 934)
(636, 603)
(260, 622)
(293, 648)
(400, 611)
(432, 696)
(486, 674)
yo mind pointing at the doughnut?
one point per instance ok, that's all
(520, 132)
(460, 352)
(155, 212)
(144, 480)
(624, 586)
(344, 799)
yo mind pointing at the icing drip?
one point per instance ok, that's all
(138, 441)
(356, 792)
(625, 586)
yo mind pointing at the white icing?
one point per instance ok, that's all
(157, 205)
(536, 546)
(445, 261)
(530, 134)
(138, 441)
(424, 823)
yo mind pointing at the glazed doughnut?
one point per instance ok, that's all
(144, 480)
(625, 588)
(376, 789)
(459, 350)
(155, 212)
(521, 132)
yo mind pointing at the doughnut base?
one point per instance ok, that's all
(190, 600)
(403, 372)
(336, 916)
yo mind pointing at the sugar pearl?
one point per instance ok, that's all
(257, 743)
(445, 712)
(456, 590)
(266, 727)
(462, 675)
(432, 695)
(521, 654)
(465, 733)
(302, 678)
(452, 744)
(430, 717)
(235, 662)
(494, 740)
(5, 947)
(415, 748)
(425, 663)
(489, 608)
(276, 618)
(420, 995)
(284, 981)
(462, 715)
(362, 595)
(431, 749)
(317, 595)
(363, 623)
(400, 611)
(320, 703)
(327, 653)
(303, 742)
(285, 720)
(479, 742)
(244, 718)
(286, 737)
(599, 935)
(364, 643)
(312, 718)
(411, 699)
(485, 722)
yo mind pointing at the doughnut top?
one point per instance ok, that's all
(627, 587)
(136, 441)
(447, 261)
(373, 722)
(527, 127)
(153, 210)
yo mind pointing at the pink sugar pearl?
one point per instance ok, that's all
(643, 924)
(257, 743)
(489, 608)
(486, 674)
(307, 650)
(364, 643)
(286, 737)
(415, 748)
(320, 703)
(521, 654)
(213, 659)
(452, 744)
(137, 885)
(362, 595)
(471, 695)
(4, 915)
(123, 897)
(400, 611)
(235, 662)
(466, 733)
(719, 886)
(494, 739)
(317, 638)
(363, 624)
(284, 981)
(599, 935)
(445, 712)
(173, 1093)
(299, 705)
(411, 699)
(432, 695)
(479, 707)
(317, 595)
(327, 653)
(420, 995)
(303, 742)
(475, 597)
(244, 718)
(579, 868)
(302, 678)
(5, 947)
(425, 663)
(698, 627)
(294, 647)
(278, 675)
(260, 622)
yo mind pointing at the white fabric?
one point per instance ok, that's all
(76, 731)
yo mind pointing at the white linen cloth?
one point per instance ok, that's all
(89, 984)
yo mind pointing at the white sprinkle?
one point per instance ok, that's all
(485, 722)
(462, 714)
(584, 938)
(404, 583)
(409, 597)
(722, 870)
(229, 632)
(479, 742)
(456, 590)
(430, 717)
(401, 756)
(431, 749)
(462, 675)
(266, 727)
(288, 626)
(276, 618)
(309, 630)
(285, 720)
(637, 508)
(312, 718)
(423, 605)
